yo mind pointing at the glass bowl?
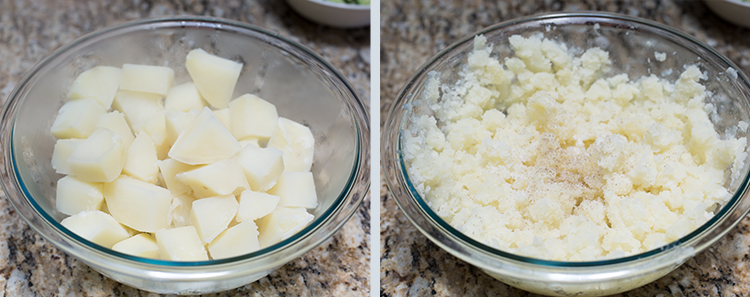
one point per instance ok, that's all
(631, 43)
(302, 85)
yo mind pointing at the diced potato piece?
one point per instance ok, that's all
(137, 107)
(251, 116)
(115, 122)
(156, 128)
(238, 240)
(96, 226)
(77, 119)
(262, 166)
(179, 212)
(296, 189)
(99, 158)
(141, 160)
(297, 143)
(215, 77)
(140, 245)
(169, 168)
(224, 116)
(99, 83)
(282, 223)
(62, 151)
(177, 122)
(184, 98)
(204, 141)
(250, 141)
(180, 244)
(146, 78)
(221, 178)
(210, 216)
(255, 205)
(74, 196)
(138, 204)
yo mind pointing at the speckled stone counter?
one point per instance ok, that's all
(29, 30)
(413, 31)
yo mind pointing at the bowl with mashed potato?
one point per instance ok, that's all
(572, 154)
(131, 149)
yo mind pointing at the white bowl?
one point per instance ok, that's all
(332, 14)
(734, 11)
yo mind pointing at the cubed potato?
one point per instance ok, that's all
(296, 142)
(262, 166)
(215, 77)
(99, 158)
(251, 116)
(99, 83)
(62, 151)
(137, 204)
(282, 223)
(238, 240)
(141, 159)
(156, 127)
(77, 119)
(115, 122)
(177, 122)
(180, 244)
(139, 245)
(210, 216)
(250, 141)
(184, 98)
(179, 212)
(204, 141)
(221, 178)
(224, 116)
(296, 189)
(169, 168)
(255, 205)
(74, 196)
(97, 227)
(146, 78)
(137, 107)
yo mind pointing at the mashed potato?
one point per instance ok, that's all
(542, 155)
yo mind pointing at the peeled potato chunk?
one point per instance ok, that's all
(210, 216)
(99, 158)
(141, 245)
(251, 116)
(204, 141)
(179, 211)
(169, 169)
(282, 223)
(99, 83)
(296, 189)
(180, 244)
(77, 119)
(138, 204)
(215, 77)
(74, 196)
(96, 226)
(115, 122)
(62, 151)
(184, 98)
(176, 123)
(255, 205)
(156, 128)
(146, 78)
(221, 178)
(224, 116)
(141, 159)
(237, 240)
(297, 143)
(137, 107)
(262, 166)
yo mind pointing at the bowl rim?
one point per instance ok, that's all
(356, 107)
(397, 176)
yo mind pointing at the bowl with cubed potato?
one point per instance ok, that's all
(185, 155)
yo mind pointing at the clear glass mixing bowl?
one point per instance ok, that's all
(302, 85)
(631, 43)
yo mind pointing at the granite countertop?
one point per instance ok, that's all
(29, 30)
(413, 31)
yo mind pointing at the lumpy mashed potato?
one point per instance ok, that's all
(543, 155)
